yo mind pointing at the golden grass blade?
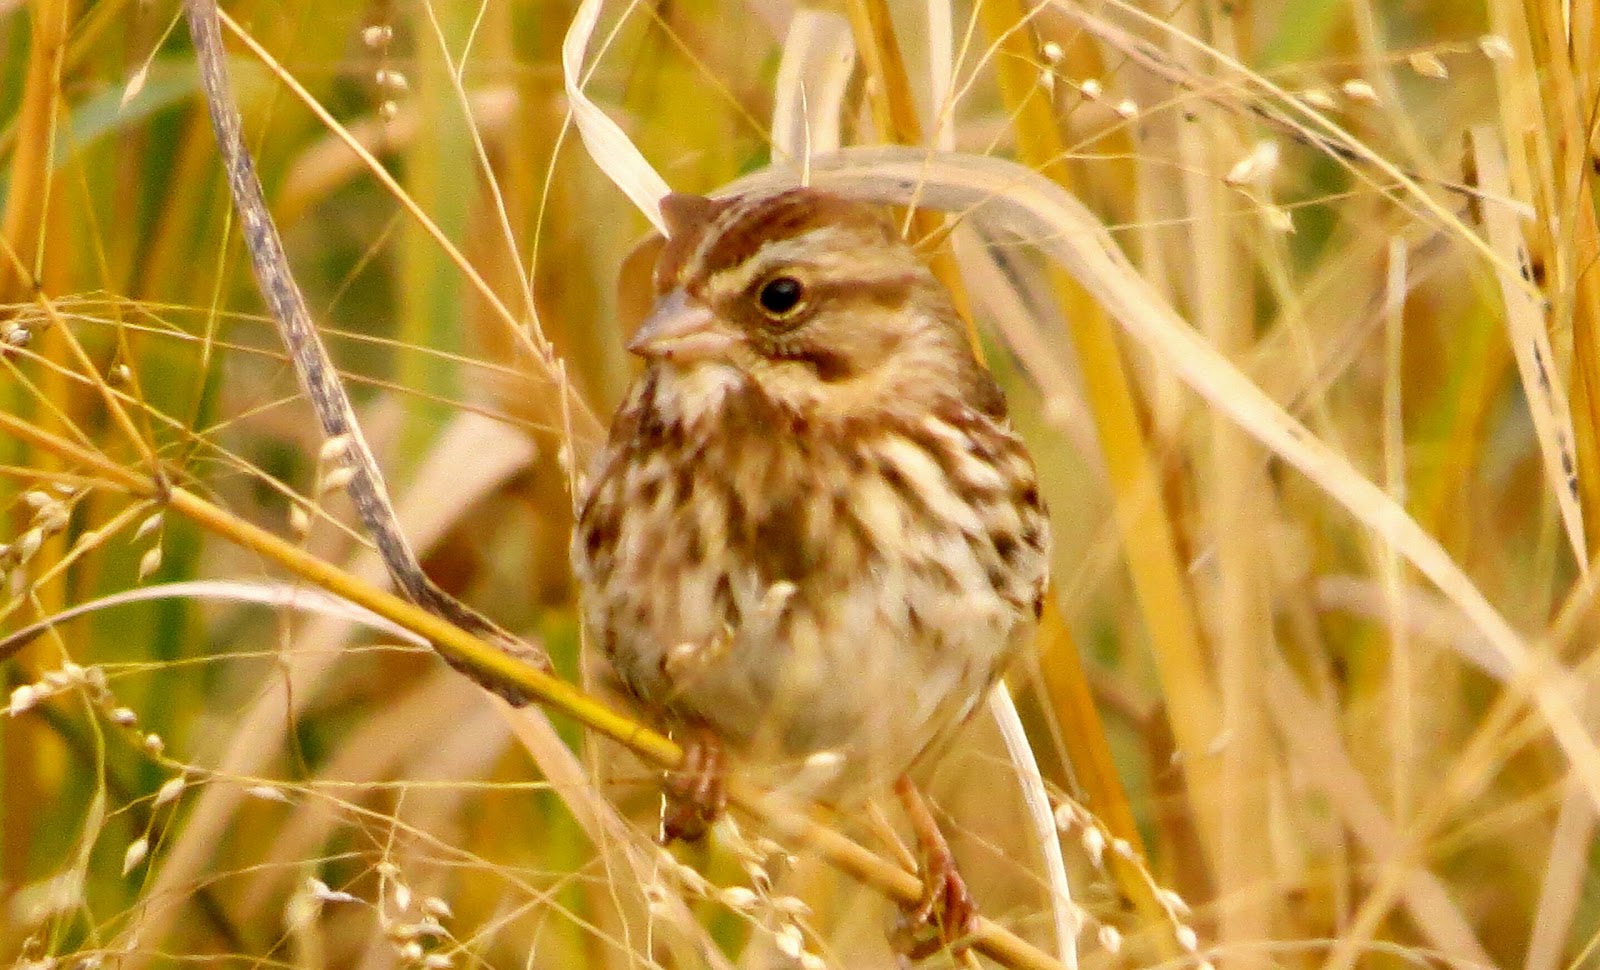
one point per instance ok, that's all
(276, 595)
(464, 102)
(894, 108)
(1542, 383)
(1004, 711)
(940, 35)
(894, 113)
(610, 148)
(819, 58)
(1015, 199)
(1565, 870)
(1586, 370)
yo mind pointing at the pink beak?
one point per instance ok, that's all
(681, 329)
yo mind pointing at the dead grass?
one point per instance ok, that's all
(1320, 452)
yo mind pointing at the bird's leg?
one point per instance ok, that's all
(946, 913)
(694, 792)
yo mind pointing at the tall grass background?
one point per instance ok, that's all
(1312, 696)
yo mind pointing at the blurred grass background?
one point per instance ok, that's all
(1309, 757)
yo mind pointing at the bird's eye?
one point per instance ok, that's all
(780, 295)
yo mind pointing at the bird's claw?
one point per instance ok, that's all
(944, 917)
(695, 795)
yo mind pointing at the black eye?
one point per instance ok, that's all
(780, 295)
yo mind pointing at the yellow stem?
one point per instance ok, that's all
(30, 166)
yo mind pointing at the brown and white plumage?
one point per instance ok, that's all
(812, 530)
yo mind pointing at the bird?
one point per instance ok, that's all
(812, 542)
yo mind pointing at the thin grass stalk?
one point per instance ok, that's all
(1287, 112)
(430, 292)
(1237, 498)
(140, 440)
(1147, 535)
(1403, 682)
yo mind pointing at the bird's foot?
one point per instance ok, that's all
(945, 917)
(946, 914)
(695, 795)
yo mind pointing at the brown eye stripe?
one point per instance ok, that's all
(885, 291)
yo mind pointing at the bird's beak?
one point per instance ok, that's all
(679, 328)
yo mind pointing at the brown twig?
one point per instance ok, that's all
(315, 369)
